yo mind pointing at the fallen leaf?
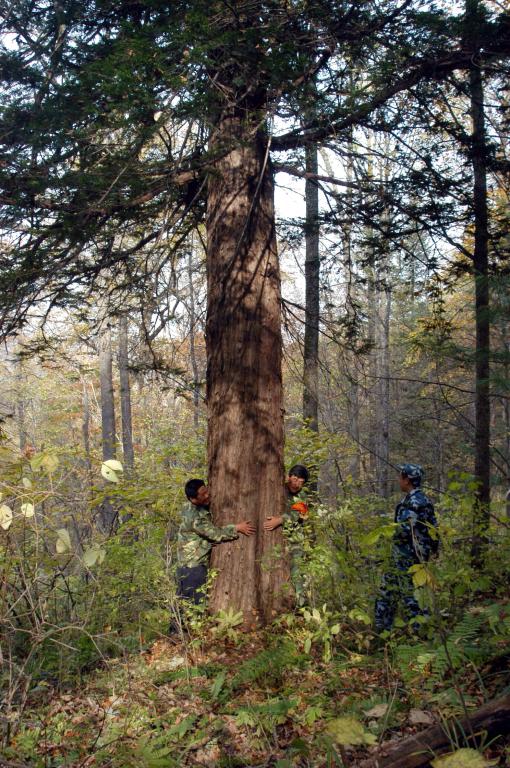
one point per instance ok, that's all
(378, 711)
(419, 717)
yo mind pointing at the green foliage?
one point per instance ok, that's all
(321, 629)
(348, 731)
(227, 623)
(268, 666)
(463, 758)
(264, 718)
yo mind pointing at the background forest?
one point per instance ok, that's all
(385, 128)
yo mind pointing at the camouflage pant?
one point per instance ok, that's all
(297, 577)
(396, 585)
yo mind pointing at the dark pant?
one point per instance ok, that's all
(190, 589)
(397, 586)
(190, 583)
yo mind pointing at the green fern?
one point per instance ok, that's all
(269, 665)
(468, 641)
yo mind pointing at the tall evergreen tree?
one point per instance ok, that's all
(120, 116)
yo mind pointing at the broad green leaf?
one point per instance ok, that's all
(114, 464)
(50, 462)
(109, 474)
(308, 644)
(383, 531)
(93, 555)
(5, 517)
(422, 576)
(357, 614)
(335, 629)
(44, 460)
(316, 615)
(27, 510)
(463, 758)
(63, 541)
(348, 730)
(419, 575)
(27, 483)
(218, 684)
(36, 462)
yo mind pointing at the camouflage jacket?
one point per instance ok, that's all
(416, 535)
(197, 534)
(294, 517)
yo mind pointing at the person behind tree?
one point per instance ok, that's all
(195, 539)
(292, 520)
(414, 540)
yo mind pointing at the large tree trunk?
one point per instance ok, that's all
(482, 319)
(244, 383)
(125, 396)
(312, 299)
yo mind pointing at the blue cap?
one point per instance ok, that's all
(413, 471)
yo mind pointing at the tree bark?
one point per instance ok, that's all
(20, 405)
(312, 295)
(107, 514)
(85, 428)
(192, 348)
(481, 516)
(383, 453)
(125, 396)
(244, 380)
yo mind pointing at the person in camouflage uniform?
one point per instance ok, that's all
(195, 539)
(293, 522)
(414, 540)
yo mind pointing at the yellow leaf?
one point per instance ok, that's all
(114, 464)
(50, 462)
(27, 510)
(63, 541)
(109, 474)
(5, 517)
(463, 758)
(347, 730)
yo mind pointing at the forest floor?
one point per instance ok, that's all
(249, 699)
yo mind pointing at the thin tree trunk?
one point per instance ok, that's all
(244, 380)
(20, 405)
(353, 384)
(312, 295)
(482, 320)
(125, 396)
(86, 426)
(384, 388)
(107, 514)
(192, 349)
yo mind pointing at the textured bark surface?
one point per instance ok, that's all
(482, 315)
(107, 399)
(125, 396)
(244, 384)
(107, 514)
(312, 295)
(192, 348)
